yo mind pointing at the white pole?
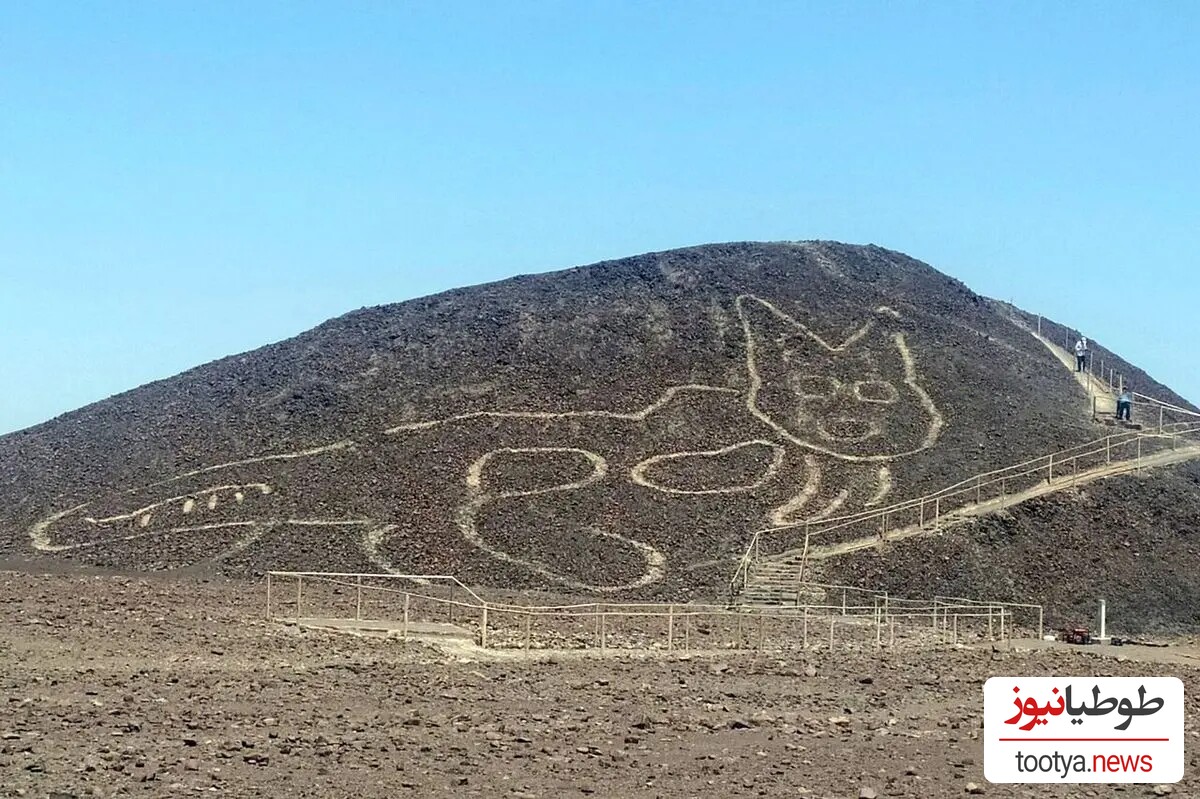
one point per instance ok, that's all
(1103, 637)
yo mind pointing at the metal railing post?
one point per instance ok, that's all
(299, 594)
(268, 595)
(1050, 473)
(358, 600)
(483, 627)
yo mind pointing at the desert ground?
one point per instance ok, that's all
(155, 686)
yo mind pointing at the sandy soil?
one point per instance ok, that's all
(119, 686)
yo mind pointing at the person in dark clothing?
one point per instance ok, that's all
(1080, 354)
(1124, 404)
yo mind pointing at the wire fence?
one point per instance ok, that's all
(423, 606)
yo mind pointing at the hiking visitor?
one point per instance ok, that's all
(1124, 404)
(1080, 354)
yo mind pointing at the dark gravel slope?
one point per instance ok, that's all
(583, 466)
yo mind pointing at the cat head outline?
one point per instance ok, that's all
(858, 399)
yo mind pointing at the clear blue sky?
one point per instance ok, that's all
(179, 182)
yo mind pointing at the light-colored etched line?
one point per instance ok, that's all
(638, 473)
(784, 514)
(475, 471)
(654, 560)
(832, 507)
(884, 478)
(638, 415)
(48, 547)
(304, 453)
(372, 542)
(789, 320)
(262, 488)
(756, 383)
(329, 522)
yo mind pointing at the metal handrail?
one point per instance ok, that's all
(972, 484)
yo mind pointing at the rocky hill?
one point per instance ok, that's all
(620, 428)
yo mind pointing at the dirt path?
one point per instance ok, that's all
(123, 687)
(819, 552)
(1096, 389)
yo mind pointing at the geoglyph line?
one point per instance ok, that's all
(635, 416)
(376, 534)
(638, 473)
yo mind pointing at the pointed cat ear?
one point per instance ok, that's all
(763, 321)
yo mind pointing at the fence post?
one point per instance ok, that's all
(1107, 450)
(268, 595)
(843, 600)
(358, 600)
(921, 523)
(831, 617)
(1074, 469)
(483, 625)
(806, 626)
(603, 631)
(451, 605)
(299, 594)
(1041, 631)
(991, 634)
(1050, 473)
(407, 598)
(937, 512)
(687, 632)
(978, 487)
(1139, 453)
(528, 631)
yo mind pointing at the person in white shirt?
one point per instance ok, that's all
(1080, 354)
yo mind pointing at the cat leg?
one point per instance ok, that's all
(524, 506)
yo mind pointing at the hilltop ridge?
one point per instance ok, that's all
(617, 428)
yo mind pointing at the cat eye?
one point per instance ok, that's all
(878, 391)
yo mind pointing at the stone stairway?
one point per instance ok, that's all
(779, 580)
(777, 583)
